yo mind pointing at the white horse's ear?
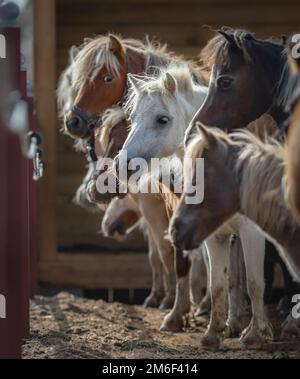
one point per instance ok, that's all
(73, 53)
(134, 82)
(115, 45)
(170, 83)
(206, 133)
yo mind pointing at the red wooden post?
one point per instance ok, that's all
(32, 189)
(25, 222)
(14, 236)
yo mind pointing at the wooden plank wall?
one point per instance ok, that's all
(178, 23)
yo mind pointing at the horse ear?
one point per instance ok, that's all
(170, 83)
(115, 45)
(229, 38)
(206, 133)
(73, 53)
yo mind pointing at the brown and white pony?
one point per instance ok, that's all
(242, 175)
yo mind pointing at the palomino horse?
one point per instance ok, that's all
(242, 175)
(248, 78)
(160, 109)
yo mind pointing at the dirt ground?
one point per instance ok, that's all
(66, 326)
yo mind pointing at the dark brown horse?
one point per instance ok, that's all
(247, 79)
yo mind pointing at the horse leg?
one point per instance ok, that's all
(205, 304)
(198, 275)
(157, 291)
(154, 212)
(239, 311)
(253, 243)
(218, 252)
(174, 321)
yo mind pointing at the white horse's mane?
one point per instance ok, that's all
(155, 85)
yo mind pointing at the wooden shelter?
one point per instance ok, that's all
(70, 251)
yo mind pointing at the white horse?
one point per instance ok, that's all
(160, 110)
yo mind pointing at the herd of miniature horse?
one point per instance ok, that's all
(238, 107)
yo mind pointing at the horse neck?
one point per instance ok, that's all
(193, 101)
(264, 203)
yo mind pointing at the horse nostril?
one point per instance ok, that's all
(76, 127)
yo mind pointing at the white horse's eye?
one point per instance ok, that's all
(108, 78)
(163, 120)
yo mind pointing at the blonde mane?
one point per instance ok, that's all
(195, 148)
(259, 170)
(65, 93)
(94, 54)
(155, 85)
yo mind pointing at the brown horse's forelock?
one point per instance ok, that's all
(218, 48)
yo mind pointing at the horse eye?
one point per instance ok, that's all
(163, 120)
(108, 78)
(224, 82)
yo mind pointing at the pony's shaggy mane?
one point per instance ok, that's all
(197, 145)
(94, 54)
(218, 47)
(259, 169)
(65, 92)
(151, 85)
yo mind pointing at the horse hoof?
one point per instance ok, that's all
(255, 338)
(234, 328)
(172, 324)
(167, 303)
(232, 331)
(151, 302)
(211, 343)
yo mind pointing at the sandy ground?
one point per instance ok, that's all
(65, 326)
